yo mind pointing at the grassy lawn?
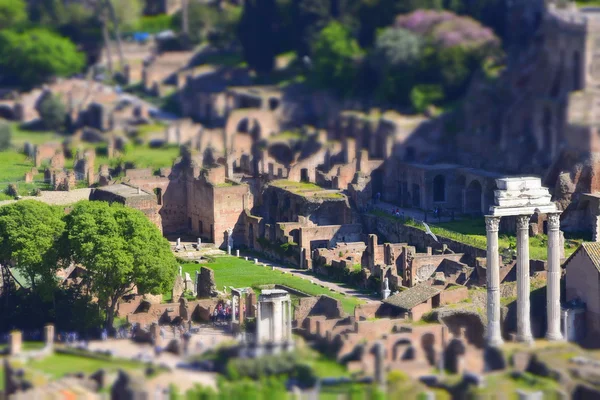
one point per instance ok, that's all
(19, 136)
(57, 365)
(471, 231)
(306, 189)
(588, 3)
(237, 272)
(508, 386)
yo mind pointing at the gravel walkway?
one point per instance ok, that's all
(57, 197)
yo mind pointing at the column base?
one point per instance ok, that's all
(525, 339)
(554, 337)
(495, 341)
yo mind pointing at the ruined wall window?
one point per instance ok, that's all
(304, 175)
(576, 71)
(439, 188)
(158, 193)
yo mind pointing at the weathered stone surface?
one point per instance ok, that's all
(178, 288)
(206, 283)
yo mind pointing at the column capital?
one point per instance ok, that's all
(492, 223)
(553, 220)
(523, 221)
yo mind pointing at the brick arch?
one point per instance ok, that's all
(264, 124)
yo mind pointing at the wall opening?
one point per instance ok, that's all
(158, 193)
(304, 175)
(439, 188)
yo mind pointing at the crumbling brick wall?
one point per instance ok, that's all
(206, 283)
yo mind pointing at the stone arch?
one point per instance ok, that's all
(439, 188)
(403, 350)
(473, 197)
(259, 123)
(428, 346)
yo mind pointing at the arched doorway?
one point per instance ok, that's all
(473, 198)
(439, 188)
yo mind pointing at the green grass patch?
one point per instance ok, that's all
(307, 189)
(19, 136)
(508, 385)
(471, 231)
(58, 365)
(237, 272)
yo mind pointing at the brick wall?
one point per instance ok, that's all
(455, 295)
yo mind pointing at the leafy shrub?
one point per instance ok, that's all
(53, 113)
(421, 96)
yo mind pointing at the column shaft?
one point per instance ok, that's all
(553, 281)
(494, 334)
(523, 288)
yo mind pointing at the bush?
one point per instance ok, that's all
(335, 58)
(421, 96)
(257, 368)
(53, 113)
(5, 136)
(34, 56)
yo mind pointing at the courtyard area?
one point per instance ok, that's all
(239, 273)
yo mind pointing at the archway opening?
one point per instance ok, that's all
(439, 188)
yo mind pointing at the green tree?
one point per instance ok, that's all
(122, 251)
(257, 34)
(12, 13)
(32, 57)
(202, 20)
(127, 13)
(335, 59)
(396, 58)
(53, 113)
(5, 135)
(422, 96)
(29, 235)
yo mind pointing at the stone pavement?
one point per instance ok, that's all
(309, 276)
(57, 197)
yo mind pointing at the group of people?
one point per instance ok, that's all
(221, 313)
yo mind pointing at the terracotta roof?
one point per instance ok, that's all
(412, 297)
(591, 249)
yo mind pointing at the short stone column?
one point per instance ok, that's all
(523, 287)
(49, 335)
(15, 343)
(494, 334)
(553, 281)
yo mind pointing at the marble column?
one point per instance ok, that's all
(494, 334)
(289, 321)
(553, 281)
(523, 287)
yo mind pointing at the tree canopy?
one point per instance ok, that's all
(335, 58)
(12, 13)
(122, 251)
(29, 236)
(53, 113)
(31, 57)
